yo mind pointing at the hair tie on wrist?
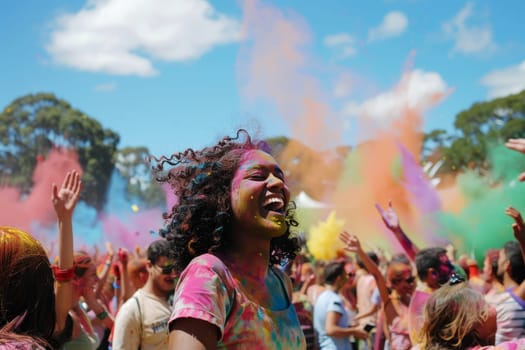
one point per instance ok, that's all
(63, 275)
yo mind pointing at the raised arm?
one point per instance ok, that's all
(519, 232)
(353, 245)
(126, 291)
(391, 221)
(518, 227)
(517, 145)
(64, 202)
(105, 270)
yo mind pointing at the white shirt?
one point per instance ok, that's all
(146, 328)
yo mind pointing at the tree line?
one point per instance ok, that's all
(32, 124)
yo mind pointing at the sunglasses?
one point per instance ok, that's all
(167, 269)
(455, 279)
(409, 280)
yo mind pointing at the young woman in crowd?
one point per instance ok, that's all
(229, 231)
(458, 317)
(394, 304)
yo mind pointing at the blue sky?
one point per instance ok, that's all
(171, 74)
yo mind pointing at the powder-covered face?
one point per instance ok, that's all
(445, 269)
(259, 196)
(403, 282)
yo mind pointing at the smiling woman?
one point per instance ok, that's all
(229, 229)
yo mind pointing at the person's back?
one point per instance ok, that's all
(330, 301)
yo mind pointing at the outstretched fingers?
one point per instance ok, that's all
(519, 226)
(515, 214)
(516, 145)
(351, 242)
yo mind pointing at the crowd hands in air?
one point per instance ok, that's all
(230, 273)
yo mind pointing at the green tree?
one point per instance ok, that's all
(31, 125)
(132, 163)
(491, 121)
(483, 123)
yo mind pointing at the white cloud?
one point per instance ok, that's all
(123, 37)
(394, 24)
(505, 81)
(106, 87)
(343, 43)
(417, 90)
(469, 39)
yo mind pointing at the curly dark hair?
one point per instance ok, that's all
(201, 220)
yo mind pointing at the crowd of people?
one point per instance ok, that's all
(230, 272)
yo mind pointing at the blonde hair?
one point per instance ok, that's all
(452, 315)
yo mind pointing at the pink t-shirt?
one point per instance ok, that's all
(207, 291)
(415, 313)
(399, 337)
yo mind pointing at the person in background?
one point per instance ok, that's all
(458, 317)
(229, 230)
(395, 304)
(331, 319)
(317, 287)
(138, 273)
(510, 304)
(79, 279)
(490, 275)
(432, 264)
(142, 321)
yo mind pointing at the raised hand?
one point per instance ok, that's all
(517, 145)
(110, 250)
(389, 216)
(65, 199)
(351, 242)
(123, 256)
(519, 226)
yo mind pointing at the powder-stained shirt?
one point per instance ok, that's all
(142, 322)
(207, 291)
